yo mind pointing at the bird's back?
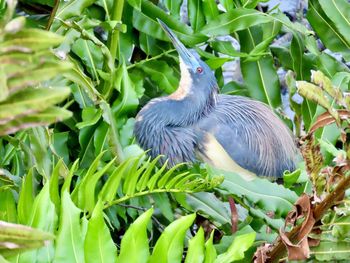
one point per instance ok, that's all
(247, 131)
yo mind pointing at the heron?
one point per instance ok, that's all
(229, 132)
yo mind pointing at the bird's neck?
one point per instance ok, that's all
(165, 125)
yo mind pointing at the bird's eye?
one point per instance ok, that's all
(199, 70)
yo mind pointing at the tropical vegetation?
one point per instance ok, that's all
(76, 187)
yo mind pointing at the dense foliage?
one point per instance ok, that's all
(74, 185)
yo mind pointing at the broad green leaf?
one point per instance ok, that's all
(338, 12)
(260, 76)
(59, 145)
(77, 76)
(71, 8)
(196, 14)
(161, 73)
(134, 246)
(326, 29)
(146, 22)
(149, 45)
(195, 252)
(67, 182)
(236, 251)
(86, 141)
(265, 194)
(128, 100)
(86, 190)
(43, 216)
(69, 242)
(26, 199)
(332, 251)
(109, 118)
(173, 7)
(101, 138)
(90, 116)
(90, 54)
(39, 144)
(234, 20)
(8, 211)
(110, 188)
(98, 245)
(210, 9)
(60, 170)
(210, 251)
(169, 246)
(163, 203)
(208, 205)
(228, 4)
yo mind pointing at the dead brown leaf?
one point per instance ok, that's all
(326, 119)
(302, 209)
(260, 256)
(299, 251)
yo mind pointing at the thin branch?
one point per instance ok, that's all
(150, 59)
(53, 14)
(127, 197)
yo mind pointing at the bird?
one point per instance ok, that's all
(198, 124)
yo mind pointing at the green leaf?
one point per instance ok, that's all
(195, 252)
(86, 190)
(339, 13)
(69, 242)
(72, 8)
(146, 22)
(265, 194)
(210, 251)
(98, 245)
(169, 246)
(195, 14)
(174, 7)
(44, 217)
(134, 245)
(326, 29)
(210, 9)
(236, 251)
(161, 73)
(332, 251)
(260, 76)
(208, 205)
(90, 54)
(90, 116)
(234, 20)
(7, 205)
(26, 198)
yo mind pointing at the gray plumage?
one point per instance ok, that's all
(181, 125)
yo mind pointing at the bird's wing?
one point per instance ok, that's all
(246, 137)
(212, 152)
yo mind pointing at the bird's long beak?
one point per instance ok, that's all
(188, 58)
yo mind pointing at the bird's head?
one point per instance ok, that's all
(195, 73)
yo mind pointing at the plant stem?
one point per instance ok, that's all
(150, 59)
(279, 249)
(117, 14)
(127, 197)
(52, 15)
